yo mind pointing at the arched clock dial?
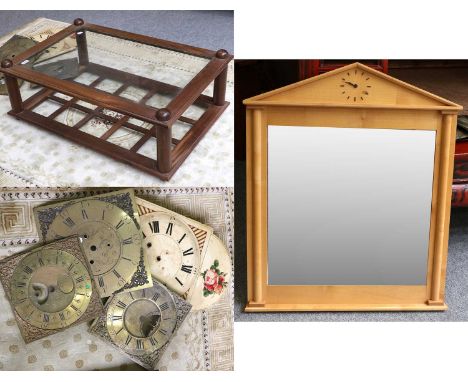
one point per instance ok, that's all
(184, 255)
(111, 240)
(50, 288)
(141, 323)
(172, 250)
(355, 85)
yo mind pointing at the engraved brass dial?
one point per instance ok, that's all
(50, 289)
(172, 250)
(355, 85)
(110, 235)
(142, 321)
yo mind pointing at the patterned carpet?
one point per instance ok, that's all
(205, 339)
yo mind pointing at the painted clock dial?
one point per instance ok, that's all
(50, 289)
(143, 320)
(172, 250)
(355, 85)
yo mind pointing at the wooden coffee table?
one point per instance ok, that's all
(149, 123)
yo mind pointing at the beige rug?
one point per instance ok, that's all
(204, 341)
(47, 160)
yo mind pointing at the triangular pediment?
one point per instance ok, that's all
(354, 85)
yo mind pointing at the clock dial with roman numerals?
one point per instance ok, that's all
(172, 250)
(110, 233)
(50, 288)
(141, 323)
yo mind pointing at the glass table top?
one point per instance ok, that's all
(142, 73)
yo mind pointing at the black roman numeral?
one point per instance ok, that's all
(153, 341)
(121, 304)
(154, 226)
(27, 270)
(79, 279)
(180, 282)
(62, 316)
(46, 318)
(164, 306)
(129, 339)
(155, 296)
(169, 229)
(163, 331)
(119, 224)
(140, 344)
(20, 284)
(84, 214)
(116, 318)
(182, 238)
(186, 268)
(101, 281)
(70, 267)
(128, 241)
(74, 307)
(188, 252)
(69, 222)
(41, 262)
(117, 274)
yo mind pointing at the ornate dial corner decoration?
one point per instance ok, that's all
(355, 85)
(141, 277)
(50, 288)
(141, 324)
(109, 230)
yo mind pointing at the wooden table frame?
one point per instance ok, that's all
(171, 152)
(263, 112)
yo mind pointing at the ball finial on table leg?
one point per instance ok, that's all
(7, 63)
(78, 22)
(222, 54)
(163, 114)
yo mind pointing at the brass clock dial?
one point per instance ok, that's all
(63, 46)
(184, 255)
(141, 323)
(355, 85)
(109, 230)
(171, 249)
(9, 50)
(50, 288)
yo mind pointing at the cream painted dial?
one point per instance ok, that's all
(110, 239)
(50, 289)
(141, 321)
(172, 250)
(355, 85)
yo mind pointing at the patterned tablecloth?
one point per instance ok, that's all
(205, 339)
(45, 159)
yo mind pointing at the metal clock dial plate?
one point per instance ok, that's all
(50, 288)
(13, 47)
(141, 323)
(171, 249)
(355, 85)
(110, 235)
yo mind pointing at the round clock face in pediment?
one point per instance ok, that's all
(172, 250)
(355, 85)
(50, 289)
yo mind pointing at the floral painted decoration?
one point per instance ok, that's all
(214, 280)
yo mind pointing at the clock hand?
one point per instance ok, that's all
(350, 83)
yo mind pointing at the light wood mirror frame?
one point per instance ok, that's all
(316, 102)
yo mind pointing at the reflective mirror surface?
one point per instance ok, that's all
(348, 206)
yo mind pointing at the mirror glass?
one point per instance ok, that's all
(348, 206)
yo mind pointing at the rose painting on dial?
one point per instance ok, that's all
(214, 280)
